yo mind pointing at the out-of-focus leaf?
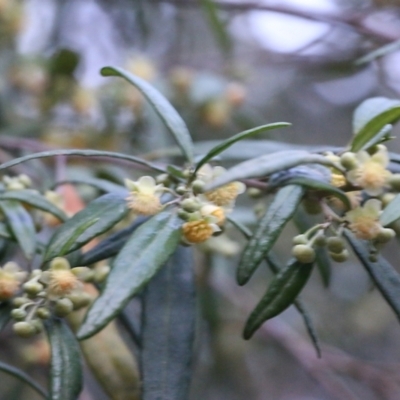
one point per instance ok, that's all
(139, 260)
(22, 376)
(100, 184)
(82, 153)
(280, 211)
(391, 212)
(5, 309)
(217, 26)
(322, 259)
(21, 225)
(382, 136)
(175, 172)
(378, 53)
(98, 217)
(385, 277)
(163, 108)
(267, 165)
(66, 374)
(169, 316)
(34, 199)
(5, 232)
(370, 117)
(281, 293)
(236, 138)
(64, 62)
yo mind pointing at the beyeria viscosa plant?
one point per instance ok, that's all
(353, 190)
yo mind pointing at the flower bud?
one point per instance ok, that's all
(340, 257)
(183, 215)
(180, 189)
(18, 314)
(24, 329)
(63, 307)
(304, 253)
(320, 239)
(32, 288)
(335, 244)
(385, 235)
(348, 160)
(300, 239)
(38, 325)
(254, 193)
(190, 205)
(163, 179)
(80, 299)
(59, 263)
(19, 301)
(25, 180)
(394, 182)
(387, 198)
(198, 186)
(43, 313)
(101, 272)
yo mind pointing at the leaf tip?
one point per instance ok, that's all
(107, 71)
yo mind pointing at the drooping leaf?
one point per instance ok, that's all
(65, 368)
(370, 117)
(81, 153)
(34, 199)
(163, 108)
(267, 165)
(280, 211)
(391, 212)
(169, 314)
(21, 225)
(139, 260)
(98, 217)
(236, 138)
(100, 184)
(281, 293)
(22, 376)
(385, 277)
(5, 309)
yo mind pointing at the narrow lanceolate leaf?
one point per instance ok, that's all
(98, 217)
(236, 138)
(385, 277)
(370, 117)
(169, 314)
(268, 230)
(5, 309)
(382, 136)
(267, 165)
(34, 199)
(391, 212)
(139, 260)
(21, 225)
(81, 153)
(163, 108)
(65, 369)
(281, 293)
(22, 376)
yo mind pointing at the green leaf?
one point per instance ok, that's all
(22, 376)
(169, 319)
(99, 216)
(81, 153)
(64, 63)
(280, 211)
(385, 277)
(175, 172)
(5, 232)
(391, 212)
(378, 53)
(267, 165)
(163, 108)
(382, 136)
(281, 293)
(34, 199)
(5, 309)
(217, 26)
(370, 117)
(146, 251)
(21, 225)
(65, 369)
(236, 138)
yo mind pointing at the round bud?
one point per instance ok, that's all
(387, 199)
(25, 180)
(18, 314)
(101, 272)
(385, 235)
(182, 214)
(83, 273)
(15, 185)
(335, 244)
(186, 173)
(340, 257)
(190, 205)
(32, 288)
(163, 179)
(19, 301)
(300, 239)
(320, 239)
(180, 189)
(63, 307)
(80, 299)
(38, 325)
(348, 160)
(24, 329)
(394, 182)
(312, 206)
(198, 186)
(304, 253)
(254, 193)
(59, 263)
(43, 313)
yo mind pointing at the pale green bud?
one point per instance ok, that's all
(24, 329)
(335, 244)
(340, 257)
(18, 314)
(304, 253)
(190, 205)
(300, 239)
(348, 160)
(63, 307)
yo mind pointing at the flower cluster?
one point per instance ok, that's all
(204, 213)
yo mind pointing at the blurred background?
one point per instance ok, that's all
(226, 65)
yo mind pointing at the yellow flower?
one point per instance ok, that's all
(371, 173)
(224, 195)
(364, 221)
(60, 279)
(338, 180)
(201, 226)
(10, 280)
(209, 210)
(144, 197)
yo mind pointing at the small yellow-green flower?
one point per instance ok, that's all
(10, 280)
(371, 174)
(364, 221)
(224, 195)
(144, 197)
(200, 227)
